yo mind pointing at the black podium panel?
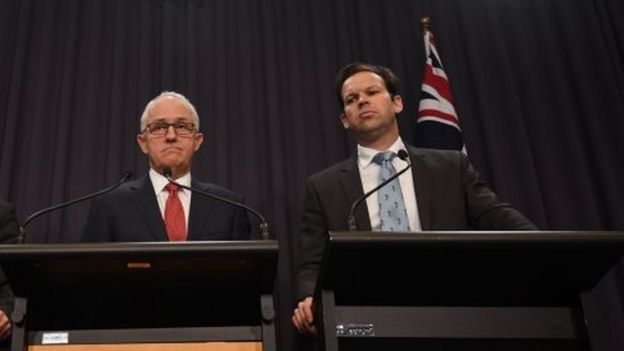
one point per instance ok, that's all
(142, 286)
(493, 290)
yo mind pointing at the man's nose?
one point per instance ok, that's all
(362, 100)
(171, 133)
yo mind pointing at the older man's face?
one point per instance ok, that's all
(170, 146)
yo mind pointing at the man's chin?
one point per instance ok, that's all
(369, 130)
(162, 165)
(178, 169)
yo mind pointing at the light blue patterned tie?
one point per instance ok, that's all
(392, 213)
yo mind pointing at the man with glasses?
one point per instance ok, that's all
(151, 209)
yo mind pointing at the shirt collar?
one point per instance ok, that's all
(366, 154)
(159, 181)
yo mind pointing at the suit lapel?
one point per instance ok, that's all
(422, 187)
(352, 186)
(145, 201)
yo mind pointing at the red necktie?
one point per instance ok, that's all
(174, 215)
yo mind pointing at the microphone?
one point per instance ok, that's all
(403, 155)
(264, 226)
(22, 235)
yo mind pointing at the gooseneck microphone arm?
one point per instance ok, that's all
(403, 155)
(264, 225)
(22, 235)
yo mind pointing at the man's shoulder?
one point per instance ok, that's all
(434, 153)
(124, 189)
(216, 190)
(334, 170)
(436, 157)
(5, 206)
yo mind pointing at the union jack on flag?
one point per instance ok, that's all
(437, 125)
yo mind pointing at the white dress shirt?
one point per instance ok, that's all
(159, 182)
(369, 174)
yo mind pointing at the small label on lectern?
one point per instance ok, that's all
(55, 338)
(355, 330)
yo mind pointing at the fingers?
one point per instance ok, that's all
(300, 321)
(303, 317)
(5, 326)
(306, 309)
(302, 326)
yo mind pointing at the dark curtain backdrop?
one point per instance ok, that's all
(538, 84)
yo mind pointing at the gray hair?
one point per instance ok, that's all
(169, 94)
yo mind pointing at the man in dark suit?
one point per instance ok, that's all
(151, 209)
(442, 191)
(8, 235)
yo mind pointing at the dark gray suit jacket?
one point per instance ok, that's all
(8, 235)
(131, 214)
(449, 193)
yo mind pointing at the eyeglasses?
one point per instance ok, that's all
(161, 128)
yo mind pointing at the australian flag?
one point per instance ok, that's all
(437, 126)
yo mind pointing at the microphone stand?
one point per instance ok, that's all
(264, 225)
(22, 235)
(351, 220)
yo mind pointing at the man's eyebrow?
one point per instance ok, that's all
(163, 119)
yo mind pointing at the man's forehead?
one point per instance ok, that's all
(169, 108)
(170, 119)
(361, 80)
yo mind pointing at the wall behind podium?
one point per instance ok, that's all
(538, 85)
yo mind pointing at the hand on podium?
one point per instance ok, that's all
(5, 326)
(303, 317)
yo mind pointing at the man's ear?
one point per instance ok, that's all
(344, 121)
(199, 139)
(397, 101)
(142, 143)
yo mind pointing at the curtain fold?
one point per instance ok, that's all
(538, 86)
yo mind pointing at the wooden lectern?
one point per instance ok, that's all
(460, 290)
(135, 296)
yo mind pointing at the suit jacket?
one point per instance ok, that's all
(131, 214)
(8, 235)
(449, 193)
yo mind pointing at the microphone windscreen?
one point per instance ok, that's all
(167, 172)
(403, 155)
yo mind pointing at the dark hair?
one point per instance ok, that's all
(390, 79)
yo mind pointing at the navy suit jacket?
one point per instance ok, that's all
(131, 214)
(449, 193)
